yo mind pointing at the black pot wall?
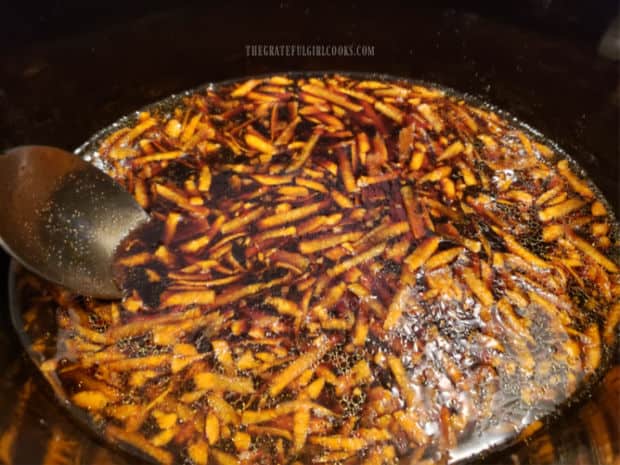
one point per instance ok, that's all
(69, 69)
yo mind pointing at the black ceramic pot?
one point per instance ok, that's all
(68, 70)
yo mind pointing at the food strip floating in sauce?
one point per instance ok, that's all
(338, 271)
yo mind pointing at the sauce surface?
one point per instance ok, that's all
(337, 271)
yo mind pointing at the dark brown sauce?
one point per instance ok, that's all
(480, 345)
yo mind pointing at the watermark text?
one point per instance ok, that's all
(310, 50)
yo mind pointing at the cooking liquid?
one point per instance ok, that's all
(479, 364)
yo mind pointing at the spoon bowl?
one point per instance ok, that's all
(63, 218)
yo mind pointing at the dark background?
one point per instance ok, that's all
(27, 21)
(70, 68)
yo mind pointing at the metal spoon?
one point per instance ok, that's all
(63, 218)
